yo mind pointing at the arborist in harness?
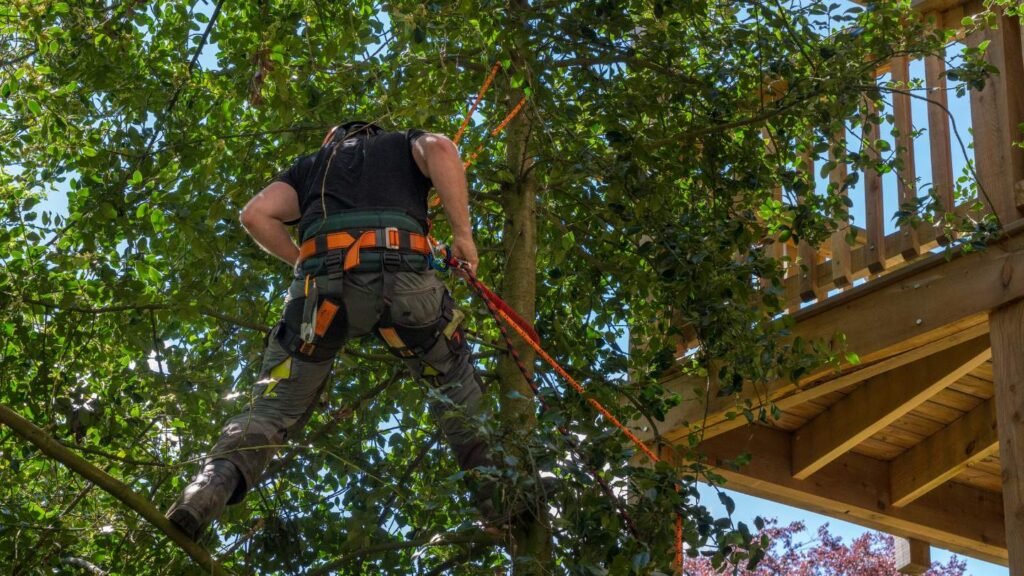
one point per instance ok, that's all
(361, 268)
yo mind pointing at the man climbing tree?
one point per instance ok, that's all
(634, 196)
(360, 203)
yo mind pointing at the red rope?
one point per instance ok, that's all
(502, 311)
(492, 300)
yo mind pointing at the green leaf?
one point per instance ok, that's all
(156, 218)
(726, 501)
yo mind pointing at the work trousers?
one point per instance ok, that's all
(288, 386)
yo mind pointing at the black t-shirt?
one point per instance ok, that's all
(371, 169)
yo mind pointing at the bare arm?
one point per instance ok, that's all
(438, 159)
(264, 219)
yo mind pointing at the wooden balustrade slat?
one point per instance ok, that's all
(906, 171)
(806, 253)
(874, 207)
(940, 146)
(841, 272)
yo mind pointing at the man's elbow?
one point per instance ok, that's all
(438, 147)
(248, 217)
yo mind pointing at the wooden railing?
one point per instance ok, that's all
(814, 272)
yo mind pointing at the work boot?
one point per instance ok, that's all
(205, 498)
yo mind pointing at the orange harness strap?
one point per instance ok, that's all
(388, 238)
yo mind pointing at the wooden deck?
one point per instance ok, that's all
(923, 438)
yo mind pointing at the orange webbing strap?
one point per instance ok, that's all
(496, 131)
(603, 411)
(418, 243)
(324, 316)
(335, 241)
(479, 97)
(366, 240)
(395, 342)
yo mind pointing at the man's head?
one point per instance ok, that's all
(344, 131)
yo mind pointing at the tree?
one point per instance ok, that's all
(796, 553)
(634, 180)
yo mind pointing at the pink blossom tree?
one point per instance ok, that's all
(793, 552)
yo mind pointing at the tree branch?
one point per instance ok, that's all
(204, 310)
(17, 59)
(84, 564)
(435, 540)
(110, 485)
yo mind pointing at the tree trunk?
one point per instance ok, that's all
(531, 547)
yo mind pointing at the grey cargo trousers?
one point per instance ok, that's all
(288, 387)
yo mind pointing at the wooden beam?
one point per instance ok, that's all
(913, 556)
(878, 403)
(855, 488)
(677, 420)
(1008, 366)
(943, 455)
(807, 255)
(929, 5)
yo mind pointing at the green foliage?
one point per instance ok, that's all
(130, 321)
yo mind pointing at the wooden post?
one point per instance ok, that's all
(842, 273)
(997, 113)
(912, 556)
(906, 173)
(1007, 334)
(938, 134)
(806, 253)
(874, 208)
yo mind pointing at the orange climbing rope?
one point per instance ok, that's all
(496, 131)
(479, 97)
(502, 311)
(579, 388)
(435, 200)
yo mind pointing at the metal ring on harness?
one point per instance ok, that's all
(440, 257)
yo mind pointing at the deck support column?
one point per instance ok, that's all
(1007, 334)
(913, 556)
